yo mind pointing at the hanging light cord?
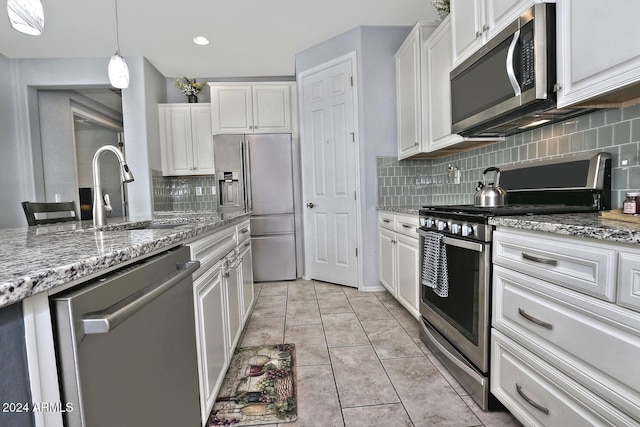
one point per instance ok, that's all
(117, 32)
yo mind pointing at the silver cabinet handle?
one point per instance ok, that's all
(104, 321)
(245, 230)
(539, 260)
(406, 226)
(532, 319)
(510, 70)
(247, 244)
(478, 34)
(530, 401)
(386, 220)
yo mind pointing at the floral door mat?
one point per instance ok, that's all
(259, 388)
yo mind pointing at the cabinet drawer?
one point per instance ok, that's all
(539, 395)
(592, 341)
(629, 280)
(387, 220)
(586, 268)
(244, 231)
(210, 249)
(407, 225)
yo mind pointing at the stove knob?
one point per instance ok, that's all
(429, 222)
(441, 225)
(467, 230)
(455, 228)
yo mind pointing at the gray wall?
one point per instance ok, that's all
(375, 48)
(23, 154)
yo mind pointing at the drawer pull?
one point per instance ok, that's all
(530, 401)
(244, 230)
(539, 260)
(386, 220)
(406, 226)
(532, 319)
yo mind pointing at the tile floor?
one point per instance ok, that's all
(360, 361)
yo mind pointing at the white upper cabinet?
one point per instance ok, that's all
(185, 139)
(597, 50)
(251, 108)
(474, 22)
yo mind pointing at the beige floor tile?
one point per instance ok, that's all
(360, 377)
(426, 395)
(457, 387)
(354, 292)
(343, 329)
(265, 331)
(318, 404)
(274, 288)
(370, 308)
(389, 340)
(377, 415)
(390, 302)
(311, 346)
(270, 306)
(492, 418)
(408, 322)
(303, 312)
(301, 290)
(334, 303)
(327, 288)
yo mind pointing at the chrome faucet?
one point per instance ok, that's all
(99, 212)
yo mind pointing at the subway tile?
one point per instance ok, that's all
(597, 119)
(605, 136)
(591, 139)
(613, 116)
(634, 178)
(577, 142)
(631, 112)
(622, 133)
(564, 145)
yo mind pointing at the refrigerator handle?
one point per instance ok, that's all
(246, 173)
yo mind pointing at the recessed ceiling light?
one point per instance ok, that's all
(201, 40)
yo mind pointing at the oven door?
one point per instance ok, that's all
(463, 316)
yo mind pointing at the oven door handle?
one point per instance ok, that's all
(459, 243)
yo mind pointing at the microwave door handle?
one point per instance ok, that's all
(510, 71)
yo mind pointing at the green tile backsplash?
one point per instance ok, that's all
(418, 182)
(179, 193)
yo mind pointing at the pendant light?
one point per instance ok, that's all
(26, 16)
(118, 70)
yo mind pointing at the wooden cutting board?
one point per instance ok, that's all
(619, 216)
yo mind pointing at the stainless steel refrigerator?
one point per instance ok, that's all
(255, 172)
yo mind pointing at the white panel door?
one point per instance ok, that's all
(328, 159)
(231, 110)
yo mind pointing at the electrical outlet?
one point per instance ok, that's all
(198, 191)
(213, 190)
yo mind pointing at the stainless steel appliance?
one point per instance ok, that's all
(457, 327)
(508, 85)
(126, 346)
(255, 172)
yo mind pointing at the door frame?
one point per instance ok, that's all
(351, 56)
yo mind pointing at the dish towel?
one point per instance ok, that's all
(434, 264)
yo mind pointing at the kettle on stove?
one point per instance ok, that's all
(490, 195)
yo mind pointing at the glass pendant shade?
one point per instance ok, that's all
(26, 16)
(118, 72)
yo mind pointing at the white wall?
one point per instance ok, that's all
(23, 175)
(375, 48)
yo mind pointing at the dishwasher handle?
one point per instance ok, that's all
(104, 321)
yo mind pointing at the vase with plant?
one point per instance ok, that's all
(442, 6)
(190, 88)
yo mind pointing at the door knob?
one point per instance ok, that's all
(310, 205)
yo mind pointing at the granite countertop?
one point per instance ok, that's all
(35, 259)
(589, 225)
(408, 210)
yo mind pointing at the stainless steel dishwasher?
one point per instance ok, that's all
(126, 346)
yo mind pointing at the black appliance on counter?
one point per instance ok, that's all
(457, 327)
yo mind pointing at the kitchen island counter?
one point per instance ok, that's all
(38, 258)
(589, 225)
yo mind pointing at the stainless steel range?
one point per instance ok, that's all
(456, 311)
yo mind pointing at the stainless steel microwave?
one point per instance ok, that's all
(508, 85)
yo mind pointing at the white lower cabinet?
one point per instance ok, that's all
(223, 294)
(563, 351)
(399, 254)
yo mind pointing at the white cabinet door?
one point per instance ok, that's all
(271, 109)
(387, 261)
(246, 267)
(176, 140)
(408, 96)
(231, 109)
(438, 59)
(233, 285)
(592, 62)
(213, 355)
(407, 272)
(202, 140)
(467, 17)
(185, 139)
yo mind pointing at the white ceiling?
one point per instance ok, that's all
(248, 37)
